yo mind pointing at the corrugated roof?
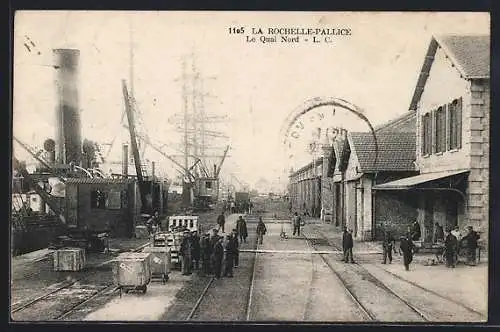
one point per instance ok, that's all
(470, 54)
(409, 182)
(396, 151)
(98, 181)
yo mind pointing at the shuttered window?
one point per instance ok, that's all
(426, 134)
(455, 124)
(440, 129)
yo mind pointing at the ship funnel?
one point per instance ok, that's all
(68, 128)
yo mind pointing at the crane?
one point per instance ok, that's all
(135, 149)
(217, 171)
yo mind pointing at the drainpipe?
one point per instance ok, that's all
(374, 191)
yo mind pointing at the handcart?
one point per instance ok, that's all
(132, 272)
(160, 262)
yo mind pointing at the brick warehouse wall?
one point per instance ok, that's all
(478, 138)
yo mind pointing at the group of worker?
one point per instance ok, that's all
(450, 238)
(217, 254)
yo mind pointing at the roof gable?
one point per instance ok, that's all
(396, 151)
(470, 55)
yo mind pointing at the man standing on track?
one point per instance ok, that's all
(217, 256)
(228, 256)
(296, 220)
(388, 244)
(195, 250)
(406, 249)
(241, 229)
(185, 253)
(450, 248)
(221, 220)
(206, 252)
(261, 230)
(347, 244)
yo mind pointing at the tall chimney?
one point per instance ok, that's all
(152, 170)
(125, 160)
(68, 128)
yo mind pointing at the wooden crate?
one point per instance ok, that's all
(132, 270)
(69, 259)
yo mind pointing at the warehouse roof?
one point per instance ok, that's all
(394, 151)
(469, 54)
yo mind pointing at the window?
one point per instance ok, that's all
(426, 134)
(100, 199)
(455, 124)
(440, 129)
(208, 184)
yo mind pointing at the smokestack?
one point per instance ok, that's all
(152, 170)
(215, 169)
(125, 160)
(68, 128)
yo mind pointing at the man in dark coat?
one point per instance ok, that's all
(347, 244)
(195, 250)
(185, 253)
(221, 220)
(241, 229)
(228, 258)
(217, 257)
(406, 249)
(450, 248)
(388, 244)
(261, 230)
(206, 252)
(296, 220)
(470, 241)
(236, 248)
(415, 231)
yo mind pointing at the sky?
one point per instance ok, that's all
(255, 85)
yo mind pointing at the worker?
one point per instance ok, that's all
(261, 230)
(438, 235)
(415, 231)
(347, 244)
(195, 250)
(228, 258)
(296, 220)
(406, 248)
(470, 241)
(206, 252)
(241, 229)
(217, 256)
(185, 253)
(388, 244)
(450, 249)
(236, 248)
(250, 207)
(221, 220)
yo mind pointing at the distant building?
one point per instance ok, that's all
(452, 103)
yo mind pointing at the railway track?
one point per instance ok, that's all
(67, 287)
(452, 305)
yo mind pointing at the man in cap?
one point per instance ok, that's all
(185, 253)
(347, 244)
(217, 256)
(470, 241)
(450, 248)
(241, 228)
(221, 220)
(406, 249)
(388, 244)
(195, 252)
(206, 252)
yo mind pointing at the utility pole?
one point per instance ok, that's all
(185, 106)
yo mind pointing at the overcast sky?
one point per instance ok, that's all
(256, 85)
